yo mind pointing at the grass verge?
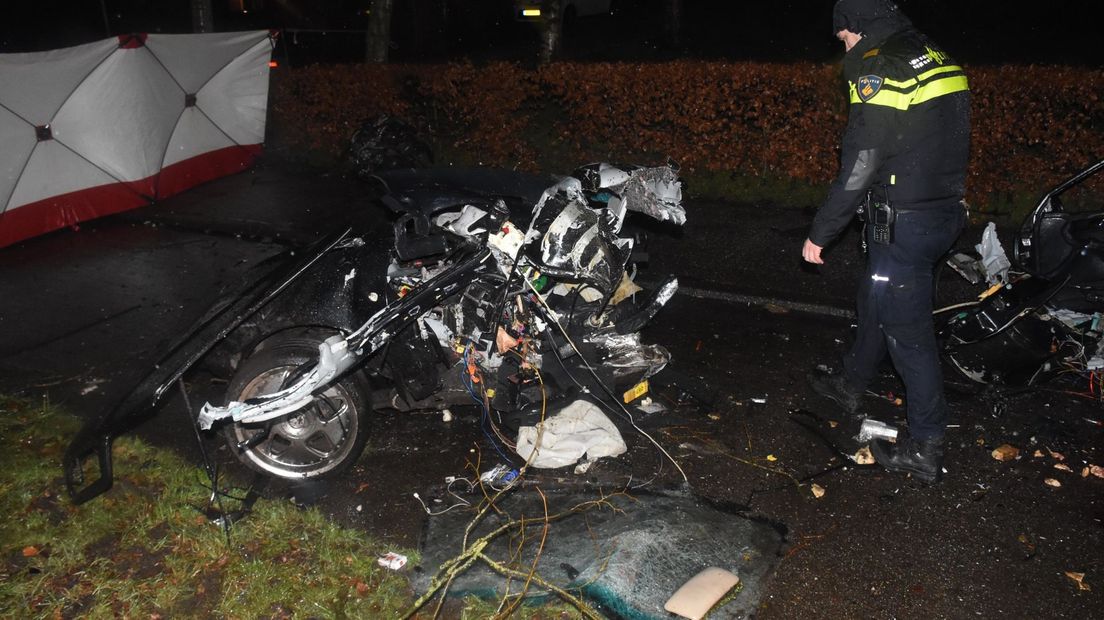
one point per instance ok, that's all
(145, 550)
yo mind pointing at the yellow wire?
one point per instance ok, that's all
(556, 321)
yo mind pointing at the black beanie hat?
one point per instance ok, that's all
(871, 18)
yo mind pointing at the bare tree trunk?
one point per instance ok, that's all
(379, 30)
(107, 22)
(673, 9)
(551, 30)
(201, 16)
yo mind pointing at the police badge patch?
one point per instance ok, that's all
(868, 86)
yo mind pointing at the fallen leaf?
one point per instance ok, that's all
(1029, 546)
(362, 588)
(832, 423)
(1096, 470)
(1058, 456)
(818, 491)
(30, 552)
(1005, 452)
(1062, 466)
(361, 487)
(1038, 453)
(1079, 579)
(1085, 472)
(1052, 482)
(863, 456)
(772, 458)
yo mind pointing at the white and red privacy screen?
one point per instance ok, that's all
(104, 127)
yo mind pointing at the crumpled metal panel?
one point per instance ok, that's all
(479, 293)
(656, 192)
(573, 242)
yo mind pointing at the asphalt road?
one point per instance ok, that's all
(81, 312)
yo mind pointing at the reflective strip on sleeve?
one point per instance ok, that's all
(925, 87)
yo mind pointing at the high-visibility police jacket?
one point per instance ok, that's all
(908, 130)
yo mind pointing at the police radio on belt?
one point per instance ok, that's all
(882, 217)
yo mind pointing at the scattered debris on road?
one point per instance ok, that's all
(1079, 579)
(872, 429)
(701, 593)
(622, 552)
(863, 456)
(393, 561)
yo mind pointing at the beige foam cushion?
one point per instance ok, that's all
(701, 593)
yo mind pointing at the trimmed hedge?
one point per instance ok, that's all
(1032, 124)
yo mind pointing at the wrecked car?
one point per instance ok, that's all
(1040, 315)
(494, 293)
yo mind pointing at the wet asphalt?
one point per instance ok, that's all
(83, 313)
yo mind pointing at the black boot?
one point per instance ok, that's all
(836, 389)
(922, 459)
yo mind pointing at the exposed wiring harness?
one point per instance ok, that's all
(471, 378)
(622, 410)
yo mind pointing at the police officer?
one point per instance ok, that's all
(903, 161)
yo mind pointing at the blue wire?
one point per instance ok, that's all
(483, 407)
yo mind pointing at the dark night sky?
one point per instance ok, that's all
(976, 31)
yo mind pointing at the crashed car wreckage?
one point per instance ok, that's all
(1039, 315)
(467, 307)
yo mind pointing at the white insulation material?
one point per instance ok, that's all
(579, 429)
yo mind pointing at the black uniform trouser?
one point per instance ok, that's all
(895, 314)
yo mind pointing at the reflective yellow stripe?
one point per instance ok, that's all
(940, 87)
(919, 94)
(888, 98)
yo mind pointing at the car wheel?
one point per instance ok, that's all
(321, 440)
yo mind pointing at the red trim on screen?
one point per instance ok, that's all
(68, 209)
(132, 41)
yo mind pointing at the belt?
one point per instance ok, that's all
(954, 207)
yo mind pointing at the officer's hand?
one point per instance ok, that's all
(811, 253)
